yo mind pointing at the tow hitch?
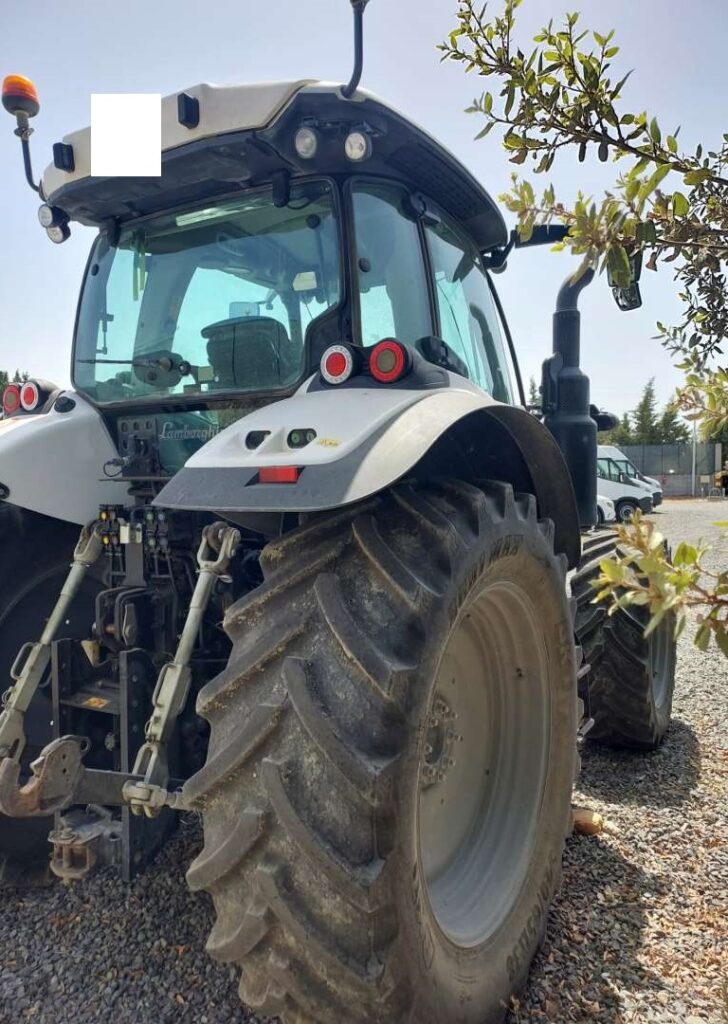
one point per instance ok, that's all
(59, 780)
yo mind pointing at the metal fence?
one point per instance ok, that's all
(672, 465)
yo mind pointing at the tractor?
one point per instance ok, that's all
(332, 588)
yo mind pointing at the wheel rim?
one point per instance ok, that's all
(661, 643)
(483, 763)
(626, 512)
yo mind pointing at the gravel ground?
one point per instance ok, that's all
(640, 930)
(639, 933)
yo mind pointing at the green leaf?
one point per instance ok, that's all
(484, 131)
(696, 177)
(618, 264)
(721, 638)
(680, 205)
(672, 143)
(702, 637)
(685, 554)
(655, 133)
(612, 570)
(652, 182)
(510, 99)
(611, 52)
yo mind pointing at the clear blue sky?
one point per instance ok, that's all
(165, 45)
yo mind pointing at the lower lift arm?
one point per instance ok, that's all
(58, 776)
(33, 659)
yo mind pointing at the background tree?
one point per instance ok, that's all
(671, 429)
(645, 425)
(562, 95)
(621, 434)
(534, 394)
(645, 418)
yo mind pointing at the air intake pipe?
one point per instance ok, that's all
(565, 393)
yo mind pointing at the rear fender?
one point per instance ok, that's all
(366, 440)
(53, 462)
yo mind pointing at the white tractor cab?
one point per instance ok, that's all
(608, 451)
(323, 540)
(627, 493)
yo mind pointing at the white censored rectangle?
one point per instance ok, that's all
(126, 135)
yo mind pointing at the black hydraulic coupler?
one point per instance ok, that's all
(566, 400)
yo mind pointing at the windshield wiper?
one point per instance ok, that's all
(165, 363)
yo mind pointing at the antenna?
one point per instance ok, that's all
(358, 5)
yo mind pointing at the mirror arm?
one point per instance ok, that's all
(348, 90)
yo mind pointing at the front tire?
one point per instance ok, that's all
(367, 864)
(632, 678)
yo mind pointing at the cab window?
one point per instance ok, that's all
(469, 320)
(393, 296)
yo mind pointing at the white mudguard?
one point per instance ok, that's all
(366, 439)
(53, 462)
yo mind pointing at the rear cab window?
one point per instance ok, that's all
(469, 319)
(390, 269)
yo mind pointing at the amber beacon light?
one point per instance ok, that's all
(20, 96)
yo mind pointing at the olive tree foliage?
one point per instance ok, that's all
(561, 92)
(646, 576)
(666, 206)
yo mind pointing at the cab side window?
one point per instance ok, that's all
(469, 320)
(393, 296)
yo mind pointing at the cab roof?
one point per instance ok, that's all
(216, 139)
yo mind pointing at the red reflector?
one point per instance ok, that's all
(278, 474)
(388, 361)
(11, 399)
(29, 396)
(337, 364)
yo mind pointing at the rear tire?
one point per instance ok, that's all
(378, 632)
(632, 677)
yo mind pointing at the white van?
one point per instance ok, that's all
(627, 493)
(653, 486)
(606, 512)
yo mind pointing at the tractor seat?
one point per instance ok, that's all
(251, 352)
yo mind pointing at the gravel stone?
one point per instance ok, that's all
(638, 935)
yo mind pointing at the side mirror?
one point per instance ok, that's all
(628, 297)
(603, 419)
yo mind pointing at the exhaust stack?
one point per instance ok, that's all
(566, 407)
